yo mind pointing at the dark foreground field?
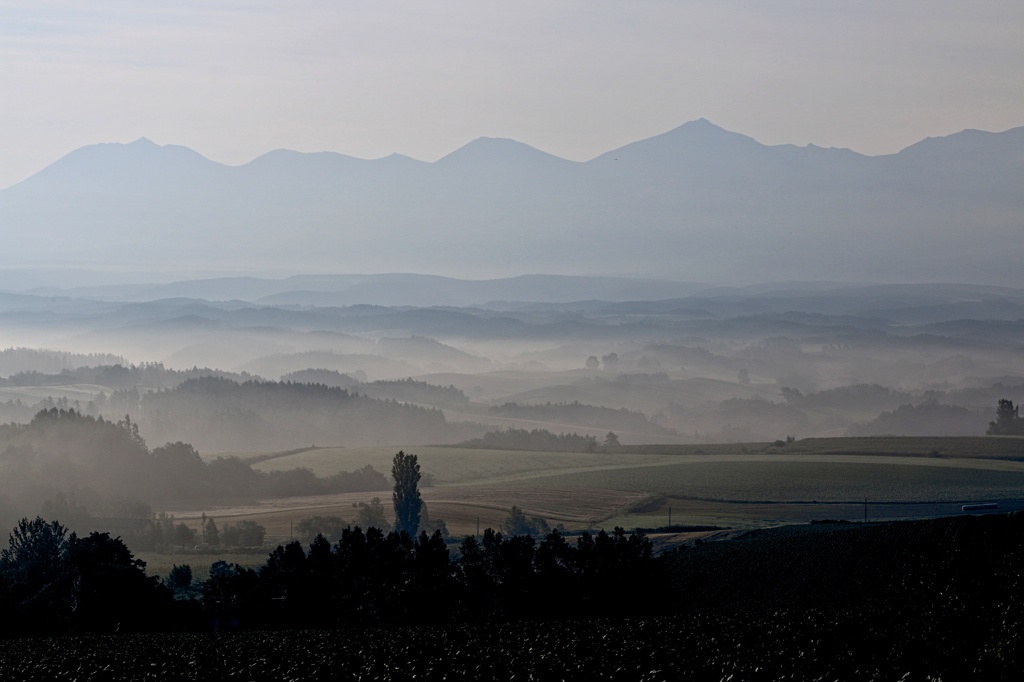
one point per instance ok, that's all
(789, 644)
(938, 599)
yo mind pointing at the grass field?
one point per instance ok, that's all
(33, 394)
(161, 563)
(991, 447)
(739, 485)
(458, 466)
(825, 478)
(983, 447)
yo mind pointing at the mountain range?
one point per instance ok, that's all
(697, 203)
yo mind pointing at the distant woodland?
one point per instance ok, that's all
(89, 466)
(217, 412)
(699, 365)
(410, 391)
(220, 415)
(537, 440)
(223, 411)
(148, 375)
(587, 415)
(15, 361)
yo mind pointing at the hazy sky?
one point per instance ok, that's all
(233, 79)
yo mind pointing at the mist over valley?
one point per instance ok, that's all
(820, 363)
(234, 373)
(533, 341)
(791, 294)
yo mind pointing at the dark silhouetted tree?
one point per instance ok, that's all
(110, 586)
(371, 515)
(328, 526)
(405, 471)
(247, 533)
(179, 468)
(183, 536)
(56, 581)
(429, 525)
(1008, 421)
(132, 429)
(230, 596)
(35, 571)
(211, 536)
(180, 578)
(516, 523)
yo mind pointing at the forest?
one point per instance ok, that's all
(108, 467)
(52, 581)
(861, 602)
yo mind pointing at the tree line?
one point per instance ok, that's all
(119, 375)
(62, 451)
(412, 391)
(14, 360)
(579, 413)
(52, 582)
(535, 440)
(376, 578)
(222, 415)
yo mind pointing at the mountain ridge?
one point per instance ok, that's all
(701, 123)
(697, 202)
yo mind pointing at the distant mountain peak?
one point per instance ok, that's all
(493, 150)
(705, 128)
(701, 123)
(396, 158)
(693, 139)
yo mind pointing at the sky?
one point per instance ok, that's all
(233, 79)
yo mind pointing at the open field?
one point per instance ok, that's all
(625, 435)
(647, 397)
(982, 447)
(738, 486)
(824, 478)
(460, 508)
(161, 563)
(991, 447)
(458, 466)
(33, 394)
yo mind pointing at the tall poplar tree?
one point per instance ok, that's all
(405, 471)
